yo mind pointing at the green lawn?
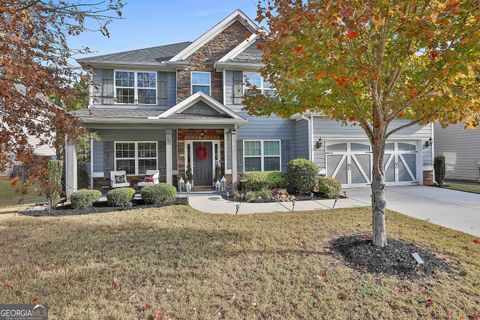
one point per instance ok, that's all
(189, 265)
(9, 195)
(473, 187)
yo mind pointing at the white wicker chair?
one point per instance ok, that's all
(156, 178)
(114, 184)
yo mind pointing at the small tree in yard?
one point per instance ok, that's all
(52, 183)
(368, 63)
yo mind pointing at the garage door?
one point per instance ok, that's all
(400, 163)
(351, 163)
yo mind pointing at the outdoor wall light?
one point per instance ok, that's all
(319, 143)
(428, 143)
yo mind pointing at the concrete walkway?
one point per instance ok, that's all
(212, 203)
(449, 208)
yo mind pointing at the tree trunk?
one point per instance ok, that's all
(378, 193)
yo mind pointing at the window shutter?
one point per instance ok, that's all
(162, 92)
(108, 158)
(107, 87)
(285, 154)
(237, 87)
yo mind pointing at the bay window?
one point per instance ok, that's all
(261, 155)
(136, 157)
(133, 87)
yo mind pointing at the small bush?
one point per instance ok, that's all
(301, 176)
(159, 193)
(329, 188)
(83, 179)
(121, 197)
(257, 181)
(84, 198)
(439, 167)
(52, 183)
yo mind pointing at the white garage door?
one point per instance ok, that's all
(351, 163)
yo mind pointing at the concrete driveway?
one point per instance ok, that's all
(449, 208)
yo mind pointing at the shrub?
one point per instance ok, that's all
(257, 181)
(83, 179)
(439, 167)
(84, 198)
(329, 188)
(301, 176)
(120, 197)
(52, 183)
(159, 193)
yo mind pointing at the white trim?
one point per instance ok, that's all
(91, 163)
(237, 15)
(240, 48)
(190, 143)
(135, 87)
(185, 104)
(262, 87)
(136, 158)
(262, 154)
(209, 84)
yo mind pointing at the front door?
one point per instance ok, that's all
(202, 163)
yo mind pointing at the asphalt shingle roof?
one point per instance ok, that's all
(153, 55)
(98, 113)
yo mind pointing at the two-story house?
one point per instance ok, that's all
(177, 106)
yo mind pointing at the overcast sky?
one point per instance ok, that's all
(148, 23)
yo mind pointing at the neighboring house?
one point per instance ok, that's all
(162, 107)
(461, 149)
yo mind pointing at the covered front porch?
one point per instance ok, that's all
(194, 141)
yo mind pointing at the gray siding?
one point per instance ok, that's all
(264, 128)
(234, 90)
(301, 139)
(325, 129)
(103, 91)
(251, 55)
(461, 150)
(202, 109)
(103, 150)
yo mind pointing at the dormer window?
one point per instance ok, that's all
(133, 87)
(201, 81)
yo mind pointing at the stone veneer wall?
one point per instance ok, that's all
(205, 57)
(428, 178)
(196, 134)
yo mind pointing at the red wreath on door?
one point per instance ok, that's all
(202, 152)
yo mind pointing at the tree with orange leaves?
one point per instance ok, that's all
(34, 65)
(370, 62)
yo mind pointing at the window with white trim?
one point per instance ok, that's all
(254, 80)
(201, 81)
(136, 157)
(133, 87)
(262, 155)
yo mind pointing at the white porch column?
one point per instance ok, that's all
(91, 163)
(234, 159)
(168, 155)
(70, 164)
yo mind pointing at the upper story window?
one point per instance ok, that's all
(201, 81)
(255, 80)
(136, 87)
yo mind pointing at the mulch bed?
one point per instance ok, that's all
(394, 259)
(99, 207)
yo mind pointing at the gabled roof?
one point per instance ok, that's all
(246, 56)
(153, 55)
(194, 99)
(237, 15)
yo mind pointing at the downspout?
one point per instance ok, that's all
(310, 136)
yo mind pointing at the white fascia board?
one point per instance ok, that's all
(165, 121)
(219, 66)
(213, 32)
(163, 66)
(239, 49)
(190, 101)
